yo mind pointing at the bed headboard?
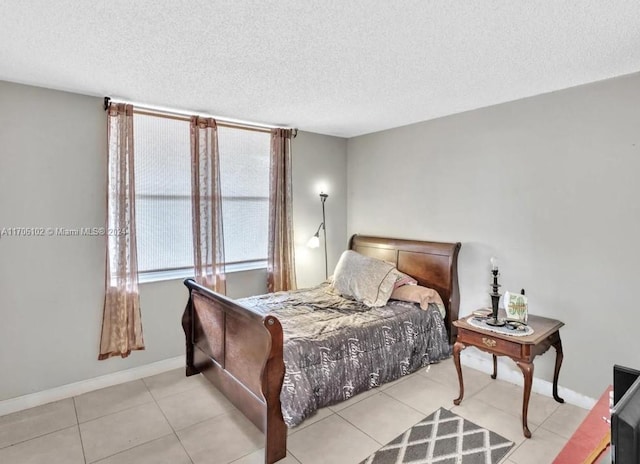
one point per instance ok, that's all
(432, 264)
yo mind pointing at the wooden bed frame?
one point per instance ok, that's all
(240, 350)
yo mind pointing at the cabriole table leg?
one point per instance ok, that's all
(527, 371)
(457, 348)
(556, 373)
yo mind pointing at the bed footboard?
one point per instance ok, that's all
(240, 352)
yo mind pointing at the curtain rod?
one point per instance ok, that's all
(185, 116)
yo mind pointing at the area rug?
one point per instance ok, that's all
(443, 438)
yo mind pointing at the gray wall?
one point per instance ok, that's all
(549, 186)
(319, 163)
(52, 173)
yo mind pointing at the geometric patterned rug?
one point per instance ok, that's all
(443, 438)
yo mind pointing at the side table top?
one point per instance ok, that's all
(542, 328)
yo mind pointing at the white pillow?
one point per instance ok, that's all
(364, 279)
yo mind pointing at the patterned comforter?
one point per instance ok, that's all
(335, 348)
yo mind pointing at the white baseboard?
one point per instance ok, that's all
(78, 388)
(544, 387)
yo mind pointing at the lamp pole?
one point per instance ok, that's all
(323, 198)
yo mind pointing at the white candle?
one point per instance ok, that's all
(494, 263)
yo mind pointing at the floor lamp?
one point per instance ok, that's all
(314, 242)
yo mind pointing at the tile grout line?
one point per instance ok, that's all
(467, 394)
(407, 405)
(46, 433)
(294, 456)
(383, 392)
(40, 436)
(354, 403)
(320, 420)
(515, 448)
(348, 422)
(129, 449)
(551, 431)
(115, 412)
(519, 415)
(375, 391)
(316, 422)
(401, 433)
(205, 420)
(532, 427)
(241, 457)
(298, 428)
(175, 434)
(152, 401)
(360, 430)
(417, 410)
(200, 421)
(170, 395)
(75, 408)
(225, 412)
(251, 452)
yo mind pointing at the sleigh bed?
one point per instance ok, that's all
(239, 346)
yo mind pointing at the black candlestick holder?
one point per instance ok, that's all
(495, 298)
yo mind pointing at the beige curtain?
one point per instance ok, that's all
(281, 273)
(206, 201)
(121, 320)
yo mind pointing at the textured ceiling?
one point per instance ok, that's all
(334, 67)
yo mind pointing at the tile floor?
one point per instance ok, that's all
(171, 419)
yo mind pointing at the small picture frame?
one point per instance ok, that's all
(516, 307)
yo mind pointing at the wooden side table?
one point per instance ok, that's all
(521, 349)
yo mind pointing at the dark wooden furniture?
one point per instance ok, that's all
(521, 349)
(240, 350)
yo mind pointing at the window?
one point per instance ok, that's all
(244, 169)
(163, 196)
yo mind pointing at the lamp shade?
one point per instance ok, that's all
(314, 242)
